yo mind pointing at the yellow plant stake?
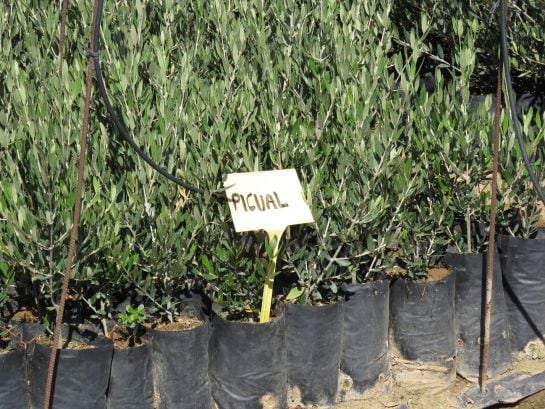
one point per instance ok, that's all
(274, 237)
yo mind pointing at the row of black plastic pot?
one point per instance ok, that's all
(229, 364)
(309, 356)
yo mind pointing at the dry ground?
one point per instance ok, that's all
(532, 361)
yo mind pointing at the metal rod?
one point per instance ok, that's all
(491, 235)
(74, 231)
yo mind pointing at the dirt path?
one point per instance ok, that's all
(533, 361)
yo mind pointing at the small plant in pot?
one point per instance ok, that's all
(467, 176)
(364, 365)
(343, 257)
(156, 341)
(365, 369)
(468, 255)
(422, 337)
(314, 321)
(440, 139)
(317, 263)
(131, 383)
(130, 327)
(179, 344)
(241, 346)
(82, 372)
(521, 245)
(157, 310)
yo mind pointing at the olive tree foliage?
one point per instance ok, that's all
(333, 89)
(526, 33)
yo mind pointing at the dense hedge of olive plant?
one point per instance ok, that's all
(388, 163)
(521, 212)
(526, 30)
(448, 144)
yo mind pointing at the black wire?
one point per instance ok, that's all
(118, 123)
(512, 101)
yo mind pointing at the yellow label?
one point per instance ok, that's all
(269, 200)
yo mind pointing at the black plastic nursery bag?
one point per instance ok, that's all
(81, 379)
(248, 364)
(13, 384)
(523, 267)
(422, 333)
(180, 368)
(470, 270)
(314, 340)
(131, 383)
(364, 359)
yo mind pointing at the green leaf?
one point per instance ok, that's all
(342, 262)
(294, 293)
(3, 267)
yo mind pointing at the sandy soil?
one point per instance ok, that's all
(536, 401)
(532, 360)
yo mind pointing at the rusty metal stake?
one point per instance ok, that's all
(74, 231)
(491, 236)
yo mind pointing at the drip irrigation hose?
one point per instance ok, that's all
(73, 234)
(512, 100)
(94, 53)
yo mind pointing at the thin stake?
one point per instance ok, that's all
(468, 228)
(491, 236)
(266, 301)
(64, 12)
(74, 231)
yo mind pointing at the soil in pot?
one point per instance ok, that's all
(470, 271)
(180, 364)
(364, 359)
(313, 342)
(131, 383)
(248, 364)
(82, 373)
(13, 385)
(523, 268)
(422, 337)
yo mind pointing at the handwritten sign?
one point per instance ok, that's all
(269, 200)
